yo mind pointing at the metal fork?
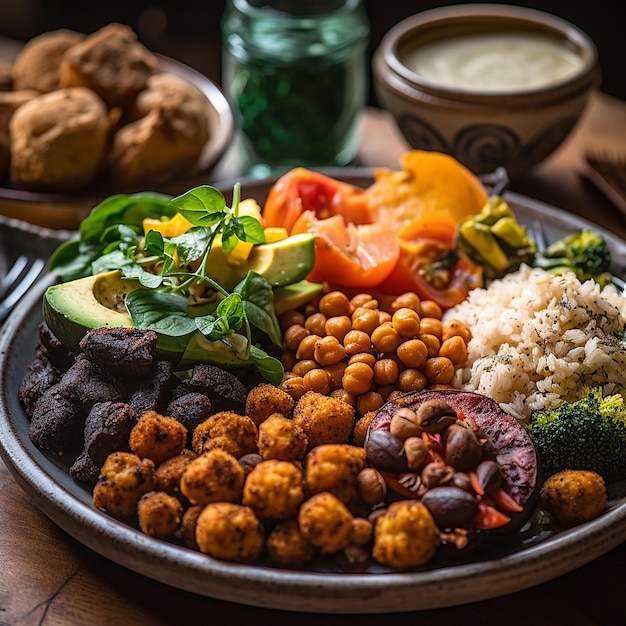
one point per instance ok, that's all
(21, 276)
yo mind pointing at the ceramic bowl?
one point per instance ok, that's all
(66, 211)
(479, 118)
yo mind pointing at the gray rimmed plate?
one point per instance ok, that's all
(533, 557)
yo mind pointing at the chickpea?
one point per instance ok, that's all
(316, 324)
(363, 357)
(300, 368)
(335, 374)
(455, 349)
(429, 308)
(294, 335)
(412, 352)
(385, 391)
(431, 326)
(356, 341)
(357, 378)
(317, 380)
(307, 347)
(411, 380)
(385, 338)
(386, 372)
(368, 401)
(383, 317)
(456, 327)
(289, 318)
(439, 370)
(338, 326)
(361, 299)
(334, 303)
(343, 395)
(408, 300)
(432, 343)
(294, 386)
(406, 322)
(365, 319)
(328, 350)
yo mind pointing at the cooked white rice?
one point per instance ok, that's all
(538, 338)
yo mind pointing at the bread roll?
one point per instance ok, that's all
(37, 64)
(110, 62)
(58, 140)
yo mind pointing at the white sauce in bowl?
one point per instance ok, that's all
(489, 62)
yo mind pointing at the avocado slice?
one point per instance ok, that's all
(281, 263)
(296, 295)
(71, 309)
(74, 307)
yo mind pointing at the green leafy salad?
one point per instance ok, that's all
(206, 286)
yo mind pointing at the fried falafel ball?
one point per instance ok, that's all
(334, 467)
(287, 547)
(359, 432)
(574, 496)
(274, 490)
(265, 400)
(228, 430)
(405, 535)
(212, 477)
(323, 419)
(158, 437)
(124, 478)
(111, 62)
(325, 522)
(37, 64)
(58, 140)
(167, 475)
(280, 438)
(230, 532)
(159, 514)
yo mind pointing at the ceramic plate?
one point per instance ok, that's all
(535, 556)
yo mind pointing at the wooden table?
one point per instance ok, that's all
(48, 578)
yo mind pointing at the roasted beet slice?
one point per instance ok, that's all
(509, 442)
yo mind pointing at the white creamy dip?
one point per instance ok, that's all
(494, 61)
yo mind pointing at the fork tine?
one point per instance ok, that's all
(539, 236)
(14, 272)
(21, 284)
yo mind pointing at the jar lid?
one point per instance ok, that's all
(300, 7)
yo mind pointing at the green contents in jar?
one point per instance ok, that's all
(300, 113)
(297, 80)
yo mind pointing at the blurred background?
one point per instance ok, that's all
(190, 31)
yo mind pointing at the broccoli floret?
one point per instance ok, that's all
(589, 433)
(584, 252)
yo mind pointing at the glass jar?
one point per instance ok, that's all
(295, 73)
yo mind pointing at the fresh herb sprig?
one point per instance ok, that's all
(112, 238)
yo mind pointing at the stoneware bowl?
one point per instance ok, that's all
(65, 211)
(502, 101)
